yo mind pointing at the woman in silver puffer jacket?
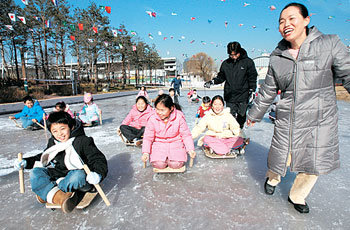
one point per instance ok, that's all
(304, 66)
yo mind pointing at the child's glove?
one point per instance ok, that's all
(18, 164)
(93, 178)
(197, 115)
(145, 157)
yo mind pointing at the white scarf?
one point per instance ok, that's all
(71, 159)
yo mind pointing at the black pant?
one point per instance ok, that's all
(177, 90)
(131, 133)
(239, 111)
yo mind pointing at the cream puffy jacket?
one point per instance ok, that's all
(222, 125)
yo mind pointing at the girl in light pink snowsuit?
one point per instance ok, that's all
(143, 92)
(167, 138)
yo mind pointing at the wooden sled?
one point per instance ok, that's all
(216, 156)
(86, 201)
(170, 170)
(126, 142)
(16, 123)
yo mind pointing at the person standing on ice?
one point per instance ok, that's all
(167, 138)
(304, 66)
(176, 83)
(239, 74)
(58, 172)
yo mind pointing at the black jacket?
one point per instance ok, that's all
(239, 77)
(86, 149)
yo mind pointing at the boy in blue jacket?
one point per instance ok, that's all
(31, 113)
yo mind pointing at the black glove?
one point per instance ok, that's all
(208, 84)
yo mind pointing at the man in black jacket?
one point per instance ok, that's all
(239, 74)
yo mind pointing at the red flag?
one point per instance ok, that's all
(120, 30)
(133, 48)
(193, 18)
(81, 26)
(72, 37)
(95, 29)
(108, 9)
(153, 14)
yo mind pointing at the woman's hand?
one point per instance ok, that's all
(250, 123)
(192, 154)
(145, 157)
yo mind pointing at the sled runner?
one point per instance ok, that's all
(126, 142)
(85, 201)
(170, 170)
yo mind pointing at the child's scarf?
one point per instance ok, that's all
(71, 159)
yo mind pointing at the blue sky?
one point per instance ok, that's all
(213, 37)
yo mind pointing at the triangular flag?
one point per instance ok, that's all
(150, 36)
(64, 23)
(159, 33)
(120, 46)
(193, 18)
(9, 27)
(47, 23)
(149, 13)
(25, 2)
(108, 9)
(55, 2)
(165, 38)
(191, 41)
(102, 7)
(12, 16)
(95, 29)
(106, 43)
(72, 37)
(115, 33)
(174, 14)
(133, 33)
(133, 48)
(37, 18)
(272, 7)
(226, 24)
(91, 40)
(153, 14)
(209, 21)
(72, 27)
(120, 30)
(22, 19)
(81, 26)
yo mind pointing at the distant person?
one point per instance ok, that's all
(90, 112)
(143, 92)
(205, 107)
(57, 173)
(167, 139)
(133, 126)
(189, 94)
(160, 92)
(304, 66)
(239, 74)
(195, 97)
(31, 113)
(176, 83)
(62, 106)
(173, 96)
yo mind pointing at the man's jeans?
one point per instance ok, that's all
(26, 122)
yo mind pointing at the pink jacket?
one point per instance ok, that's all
(171, 140)
(136, 118)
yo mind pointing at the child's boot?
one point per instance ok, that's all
(67, 200)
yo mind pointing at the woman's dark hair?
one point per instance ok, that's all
(234, 46)
(206, 99)
(302, 9)
(27, 98)
(60, 117)
(61, 105)
(217, 97)
(167, 101)
(142, 98)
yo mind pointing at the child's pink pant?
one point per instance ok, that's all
(220, 146)
(167, 162)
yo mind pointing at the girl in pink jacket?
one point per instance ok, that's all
(143, 92)
(167, 138)
(134, 124)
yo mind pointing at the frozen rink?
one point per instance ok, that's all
(214, 194)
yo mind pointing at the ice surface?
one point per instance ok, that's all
(214, 194)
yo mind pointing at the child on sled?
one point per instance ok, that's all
(62, 106)
(167, 139)
(223, 129)
(31, 113)
(195, 97)
(89, 114)
(204, 107)
(133, 126)
(58, 172)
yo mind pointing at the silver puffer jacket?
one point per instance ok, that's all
(306, 116)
